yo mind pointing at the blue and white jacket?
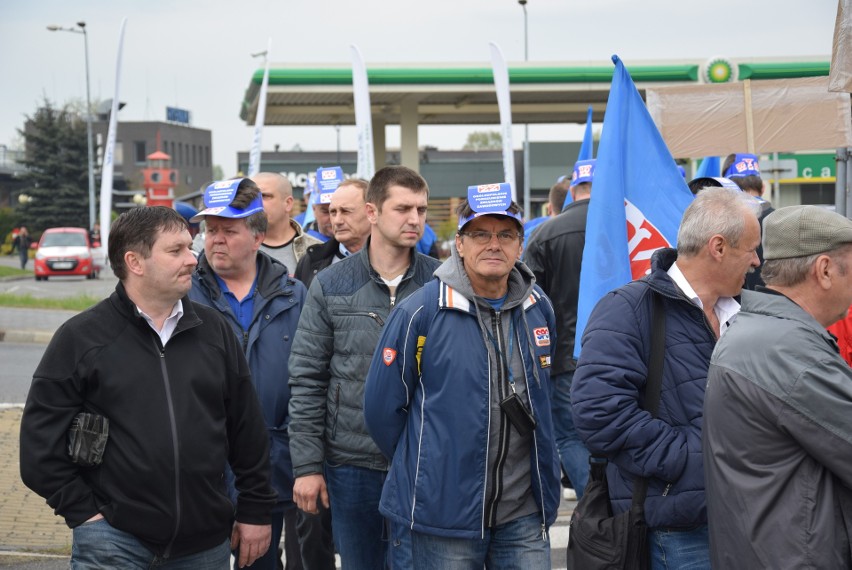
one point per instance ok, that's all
(428, 405)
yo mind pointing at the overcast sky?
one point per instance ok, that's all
(195, 54)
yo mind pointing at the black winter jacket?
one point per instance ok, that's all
(177, 415)
(317, 258)
(555, 254)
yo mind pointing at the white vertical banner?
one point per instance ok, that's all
(260, 117)
(504, 103)
(109, 152)
(363, 116)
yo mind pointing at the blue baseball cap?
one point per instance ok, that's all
(744, 165)
(217, 201)
(584, 171)
(490, 199)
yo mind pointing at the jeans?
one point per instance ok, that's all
(359, 529)
(515, 545)
(98, 545)
(572, 452)
(673, 549)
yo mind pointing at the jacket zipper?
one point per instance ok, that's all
(175, 448)
(535, 443)
(373, 315)
(503, 443)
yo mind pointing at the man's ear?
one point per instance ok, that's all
(716, 246)
(822, 271)
(372, 212)
(133, 262)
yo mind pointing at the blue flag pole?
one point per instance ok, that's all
(586, 150)
(709, 167)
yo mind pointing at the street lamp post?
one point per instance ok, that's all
(82, 30)
(523, 4)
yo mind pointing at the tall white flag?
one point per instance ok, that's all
(363, 116)
(260, 117)
(504, 103)
(109, 152)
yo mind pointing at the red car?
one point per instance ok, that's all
(65, 251)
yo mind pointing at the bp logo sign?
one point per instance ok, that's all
(719, 70)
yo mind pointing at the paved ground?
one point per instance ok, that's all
(31, 536)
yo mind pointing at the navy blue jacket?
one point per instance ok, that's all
(608, 391)
(277, 305)
(427, 407)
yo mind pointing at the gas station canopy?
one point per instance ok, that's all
(445, 94)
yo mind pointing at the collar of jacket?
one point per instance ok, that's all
(364, 256)
(450, 298)
(324, 249)
(659, 280)
(127, 308)
(774, 304)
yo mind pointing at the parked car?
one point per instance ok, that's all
(65, 251)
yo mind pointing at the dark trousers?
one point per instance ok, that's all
(315, 540)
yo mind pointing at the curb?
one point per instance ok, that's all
(15, 278)
(25, 336)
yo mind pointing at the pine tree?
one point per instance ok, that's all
(57, 169)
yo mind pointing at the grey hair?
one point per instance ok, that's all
(792, 271)
(714, 211)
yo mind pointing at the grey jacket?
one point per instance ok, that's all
(777, 441)
(340, 325)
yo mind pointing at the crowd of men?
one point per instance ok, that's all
(334, 390)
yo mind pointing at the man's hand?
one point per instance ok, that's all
(307, 489)
(252, 540)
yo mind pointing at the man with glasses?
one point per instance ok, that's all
(458, 396)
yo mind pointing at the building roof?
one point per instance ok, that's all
(464, 93)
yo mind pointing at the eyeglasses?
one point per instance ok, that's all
(483, 238)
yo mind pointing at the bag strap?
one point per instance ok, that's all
(654, 383)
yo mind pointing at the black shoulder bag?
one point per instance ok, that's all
(597, 540)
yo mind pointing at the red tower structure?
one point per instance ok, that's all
(159, 179)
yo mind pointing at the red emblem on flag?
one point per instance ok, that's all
(388, 356)
(643, 239)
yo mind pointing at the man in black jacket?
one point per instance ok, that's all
(170, 378)
(555, 253)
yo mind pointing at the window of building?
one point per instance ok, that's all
(139, 152)
(817, 194)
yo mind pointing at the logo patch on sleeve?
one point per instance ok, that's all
(544, 360)
(542, 336)
(388, 356)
